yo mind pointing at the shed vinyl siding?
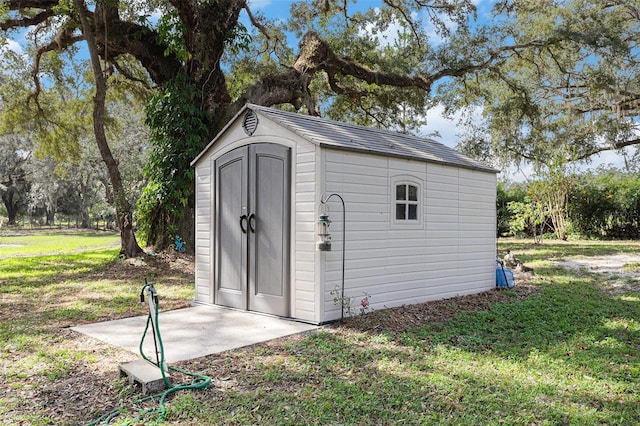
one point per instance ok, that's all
(204, 221)
(451, 251)
(477, 198)
(357, 179)
(441, 246)
(304, 269)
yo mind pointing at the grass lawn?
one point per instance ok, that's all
(564, 349)
(26, 244)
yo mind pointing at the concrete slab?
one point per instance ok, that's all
(195, 332)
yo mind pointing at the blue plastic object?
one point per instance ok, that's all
(504, 276)
(179, 244)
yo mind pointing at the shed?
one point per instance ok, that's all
(420, 218)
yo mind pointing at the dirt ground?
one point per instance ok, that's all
(623, 269)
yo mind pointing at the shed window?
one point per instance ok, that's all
(406, 202)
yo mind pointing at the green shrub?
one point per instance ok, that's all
(506, 194)
(607, 204)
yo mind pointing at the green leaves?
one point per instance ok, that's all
(178, 132)
(171, 32)
(238, 39)
(607, 204)
(568, 86)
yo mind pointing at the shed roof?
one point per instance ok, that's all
(337, 135)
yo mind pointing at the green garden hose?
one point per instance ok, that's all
(199, 381)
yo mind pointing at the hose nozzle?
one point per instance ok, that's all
(153, 293)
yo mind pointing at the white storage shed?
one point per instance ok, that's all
(420, 218)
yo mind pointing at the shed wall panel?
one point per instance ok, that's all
(303, 227)
(204, 181)
(451, 252)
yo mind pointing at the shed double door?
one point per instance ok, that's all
(252, 206)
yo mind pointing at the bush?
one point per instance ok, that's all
(506, 194)
(606, 205)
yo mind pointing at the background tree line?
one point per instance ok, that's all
(596, 204)
(39, 188)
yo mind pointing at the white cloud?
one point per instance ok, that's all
(436, 38)
(11, 45)
(384, 38)
(448, 128)
(451, 129)
(608, 158)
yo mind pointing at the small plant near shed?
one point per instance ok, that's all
(365, 306)
(348, 302)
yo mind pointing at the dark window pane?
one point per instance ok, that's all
(413, 193)
(413, 212)
(400, 212)
(401, 192)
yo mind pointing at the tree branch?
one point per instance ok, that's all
(27, 21)
(343, 90)
(616, 145)
(129, 76)
(142, 43)
(316, 55)
(63, 39)
(399, 9)
(256, 23)
(129, 246)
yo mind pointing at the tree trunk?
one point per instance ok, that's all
(128, 244)
(84, 215)
(11, 206)
(84, 209)
(162, 222)
(51, 216)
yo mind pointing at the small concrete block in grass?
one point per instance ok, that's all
(147, 375)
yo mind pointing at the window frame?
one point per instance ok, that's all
(406, 181)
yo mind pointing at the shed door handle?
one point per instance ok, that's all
(252, 222)
(243, 218)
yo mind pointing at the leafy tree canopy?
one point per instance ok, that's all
(340, 55)
(562, 101)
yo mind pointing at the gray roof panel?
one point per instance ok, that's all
(333, 134)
